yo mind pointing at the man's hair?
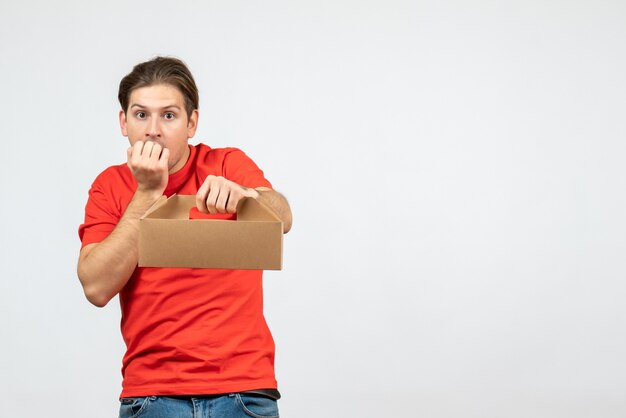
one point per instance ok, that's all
(160, 70)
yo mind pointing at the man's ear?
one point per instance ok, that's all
(123, 123)
(192, 123)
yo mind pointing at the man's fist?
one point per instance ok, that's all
(148, 161)
(219, 195)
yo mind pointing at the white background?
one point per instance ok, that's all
(455, 170)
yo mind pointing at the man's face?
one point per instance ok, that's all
(157, 113)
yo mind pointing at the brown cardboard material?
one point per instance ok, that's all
(168, 238)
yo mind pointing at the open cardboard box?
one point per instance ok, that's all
(168, 238)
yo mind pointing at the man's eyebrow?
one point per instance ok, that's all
(172, 106)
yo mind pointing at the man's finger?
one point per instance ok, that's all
(214, 186)
(165, 157)
(214, 192)
(147, 149)
(156, 151)
(138, 147)
(222, 200)
(233, 201)
(135, 152)
(201, 198)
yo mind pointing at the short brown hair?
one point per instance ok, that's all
(160, 70)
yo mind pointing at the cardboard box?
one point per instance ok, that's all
(168, 238)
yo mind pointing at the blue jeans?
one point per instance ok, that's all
(233, 405)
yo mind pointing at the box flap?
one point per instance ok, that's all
(175, 207)
(160, 202)
(252, 210)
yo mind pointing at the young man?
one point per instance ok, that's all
(197, 342)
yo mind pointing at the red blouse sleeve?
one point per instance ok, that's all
(238, 167)
(101, 216)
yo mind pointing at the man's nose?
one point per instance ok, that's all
(154, 130)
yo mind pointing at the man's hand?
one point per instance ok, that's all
(148, 161)
(220, 195)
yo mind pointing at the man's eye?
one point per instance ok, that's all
(140, 115)
(169, 115)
